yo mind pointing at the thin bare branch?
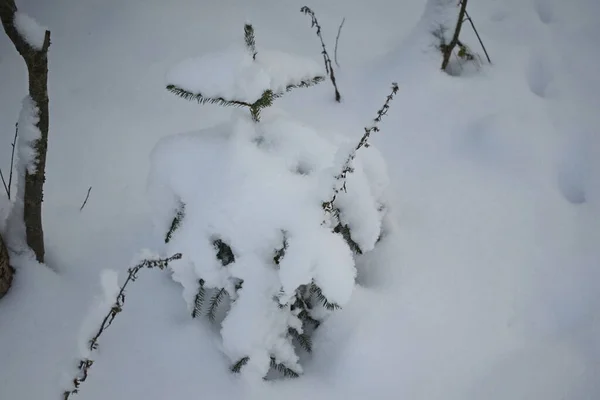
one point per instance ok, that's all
(347, 167)
(477, 34)
(86, 199)
(337, 39)
(7, 187)
(326, 58)
(86, 363)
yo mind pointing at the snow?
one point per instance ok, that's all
(33, 33)
(232, 74)
(239, 183)
(485, 283)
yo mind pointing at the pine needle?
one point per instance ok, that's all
(282, 369)
(303, 339)
(176, 222)
(199, 300)
(215, 302)
(205, 100)
(237, 367)
(318, 293)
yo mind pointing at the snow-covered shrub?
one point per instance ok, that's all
(265, 210)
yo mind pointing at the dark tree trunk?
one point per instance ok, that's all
(455, 38)
(6, 271)
(37, 66)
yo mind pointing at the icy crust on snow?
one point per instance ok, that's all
(234, 75)
(252, 185)
(33, 33)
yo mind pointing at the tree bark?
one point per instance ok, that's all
(37, 66)
(6, 271)
(455, 38)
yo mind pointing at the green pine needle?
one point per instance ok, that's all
(316, 290)
(199, 300)
(305, 83)
(303, 339)
(344, 230)
(176, 222)
(249, 39)
(215, 302)
(280, 253)
(237, 367)
(205, 100)
(282, 369)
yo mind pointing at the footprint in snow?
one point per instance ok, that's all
(539, 74)
(544, 10)
(571, 176)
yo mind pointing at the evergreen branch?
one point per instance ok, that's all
(12, 163)
(249, 39)
(237, 367)
(266, 100)
(179, 215)
(280, 253)
(326, 58)
(344, 230)
(215, 302)
(302, 338)
(117, 307)
(337, 38)
(282, 369)
(199, 299)
(306, 318)
(185, 94)
(347, 167)
(477, 34)
(304, 84)
(224, 252)
(318, 293)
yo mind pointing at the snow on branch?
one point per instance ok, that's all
(242, 77)
(33, 33)
(111, 304)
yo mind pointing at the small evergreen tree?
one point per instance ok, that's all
(300, 266)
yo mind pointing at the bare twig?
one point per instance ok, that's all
(337, 39)
(326, 58)
(86, 198)
(7, 187)
(86, 363)
(347, 167)
(447, 49)
(477, 34)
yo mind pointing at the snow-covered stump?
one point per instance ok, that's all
(244, 203)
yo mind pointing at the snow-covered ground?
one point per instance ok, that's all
(489, 287)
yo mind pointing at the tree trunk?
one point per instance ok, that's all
(455, 38)
(6, 271)
(37, 66)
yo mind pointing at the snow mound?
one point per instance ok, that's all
(233, 74)
(259, 188)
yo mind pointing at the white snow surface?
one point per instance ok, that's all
(486, 284)
(33, 33)
(233, 74)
